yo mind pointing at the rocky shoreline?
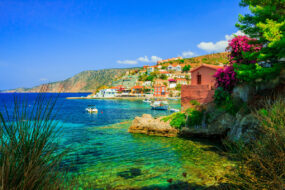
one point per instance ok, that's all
(152, 126)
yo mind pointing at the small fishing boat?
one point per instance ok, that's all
(174, 110)
(159, 105)
(92, 109)
(147, 101)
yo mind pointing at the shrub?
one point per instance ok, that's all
(194, 117)
(195, 103)
(163, 77)
(221, 96)
(177, 120)
(178, 87)
(262, 161)
(242, 50)
(29, 154)
(226, 78)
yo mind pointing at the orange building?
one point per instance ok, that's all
(160, 91)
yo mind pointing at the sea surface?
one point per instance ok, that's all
(103, 155)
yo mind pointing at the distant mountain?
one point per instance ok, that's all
(86, 81)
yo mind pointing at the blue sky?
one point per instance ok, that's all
(45, 41)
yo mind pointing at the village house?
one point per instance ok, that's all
(107, 93)
(202, 86)
(160, 91)
(174, 67)
(181, 81)
(171, 83)
(160, 82)
(137, 90)
(151, 69)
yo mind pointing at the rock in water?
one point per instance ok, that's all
(151, 126)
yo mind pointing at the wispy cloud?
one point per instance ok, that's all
(218, 46)
(187, 54)
(144, 59)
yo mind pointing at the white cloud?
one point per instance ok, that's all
(154, 59)
(145, 59)
(218, 46)
(187, 54)
(128, 62)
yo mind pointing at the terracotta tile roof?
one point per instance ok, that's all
(137, 87)
(216, 67)
(118, 87)
(159, 85)
(181, 79)
(163, 72)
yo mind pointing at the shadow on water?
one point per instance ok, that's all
(181, 185)
(131, 173)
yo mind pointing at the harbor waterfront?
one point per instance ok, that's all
(103, 154)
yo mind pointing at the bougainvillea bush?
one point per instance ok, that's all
(243, 50)
(226, 78)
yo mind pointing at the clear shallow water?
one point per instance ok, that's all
(104, 154)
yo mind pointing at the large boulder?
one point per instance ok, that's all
(151, 126)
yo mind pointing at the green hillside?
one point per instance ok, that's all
(86, 81)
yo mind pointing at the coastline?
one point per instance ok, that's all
(120, 98)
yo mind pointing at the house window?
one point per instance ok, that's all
(199, 79)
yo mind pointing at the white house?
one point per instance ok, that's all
(172, 83)
(107, 93)
(174, 68)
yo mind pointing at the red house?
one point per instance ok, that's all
(160, 91)
(202, 85)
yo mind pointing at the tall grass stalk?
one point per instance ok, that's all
(29, 152)
(263, 161)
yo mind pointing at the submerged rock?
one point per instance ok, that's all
(151, 126)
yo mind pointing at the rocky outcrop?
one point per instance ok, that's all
(245, 128)
(218, 124)
(223, 125)
(151, 126)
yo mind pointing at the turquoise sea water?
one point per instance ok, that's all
(104, 155)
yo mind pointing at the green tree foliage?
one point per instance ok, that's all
(186, 68)
(178, 87)
(266, 23)
(163, 77)
(177, 120)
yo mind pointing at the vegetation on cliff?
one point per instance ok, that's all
(86, 81)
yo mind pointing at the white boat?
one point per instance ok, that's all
(174, 110)
(147, 101)
(92, 109)
(159, 105)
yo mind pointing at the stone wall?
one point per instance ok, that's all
(201, 93)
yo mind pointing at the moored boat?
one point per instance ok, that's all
(147, 101)
(159, 105)
(92, 109)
